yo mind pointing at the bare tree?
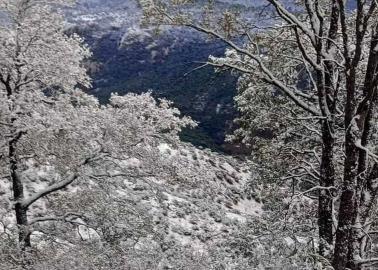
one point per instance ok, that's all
(337, 49)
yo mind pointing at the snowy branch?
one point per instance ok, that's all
(269, 77)
(55, 187)
(55, 218)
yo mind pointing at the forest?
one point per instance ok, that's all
(273, 165)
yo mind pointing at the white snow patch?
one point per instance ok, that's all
(237, 217)
(245, 176)
(290, 241)
(88, 233)
(249, 207)
(131, 163)
(228, 167)
(154, 54)
(165, 148)
(172, 198)
(218, 108)
(134, 34)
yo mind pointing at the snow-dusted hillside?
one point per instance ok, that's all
(119, 14)
(105, 14)
(194, 214)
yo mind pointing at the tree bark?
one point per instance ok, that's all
(347, 207)
(17, 185)
(325, 204)
(348, 198)
(18, 194)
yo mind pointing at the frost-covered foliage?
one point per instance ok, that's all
(37, 59)
(35, 51)
(90, 186)
(86, 186)
(72, 137)
(144, 200)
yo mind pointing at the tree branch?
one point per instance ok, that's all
(54, 187)
(269, 77)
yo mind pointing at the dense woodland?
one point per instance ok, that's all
(86, 184)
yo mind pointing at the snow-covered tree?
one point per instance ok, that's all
(36, 58)
(75, 145)
(311, 70)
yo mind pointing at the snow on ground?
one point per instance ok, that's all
(197, 210)
(165, 148)
(249, 207)
(200, 213)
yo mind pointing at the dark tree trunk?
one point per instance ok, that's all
(325, 206)
(348, 198)
(327, 168)
(347, 207)
(349, 233)
(17, 185)
(18, 194)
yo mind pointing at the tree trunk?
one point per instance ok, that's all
(349, 233)
(17, 185)
(18, 195)
(325, 206)
(347, 209)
